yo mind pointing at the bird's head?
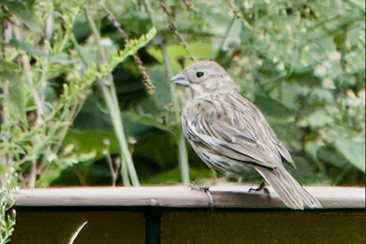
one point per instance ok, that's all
(205, 77)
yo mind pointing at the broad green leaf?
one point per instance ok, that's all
(274, 110)
(319, 118)
(85, 140)
(353, 151)
(329, 155)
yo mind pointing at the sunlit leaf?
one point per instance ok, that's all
(319, 118)
(353, 151)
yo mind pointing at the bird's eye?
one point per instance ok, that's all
(199, 74)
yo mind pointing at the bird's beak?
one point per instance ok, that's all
(180, 79)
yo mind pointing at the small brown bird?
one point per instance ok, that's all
(226, 130)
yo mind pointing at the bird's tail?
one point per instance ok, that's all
(289, 190)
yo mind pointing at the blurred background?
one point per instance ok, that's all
(77, 107)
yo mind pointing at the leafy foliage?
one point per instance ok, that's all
(45, 80)
(7, 216)
(301, 62)
(78, 78)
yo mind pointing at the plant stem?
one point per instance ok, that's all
(77, 48)
(110, 97)
(146, 79)
(183, 156)
(173, 26)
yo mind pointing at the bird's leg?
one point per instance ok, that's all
(206, 189)
(209, 195)
(216, 177)
(203, 189)
(261, 187)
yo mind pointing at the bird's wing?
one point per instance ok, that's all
(231, 126)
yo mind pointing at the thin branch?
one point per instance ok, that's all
(28, 74)
(190, 7)
(114, 172)
(175, 30)
(33, 174)
(77, 48)
(146, 79)
(239, 15)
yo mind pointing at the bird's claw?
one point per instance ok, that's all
(261, 187)
(205, 189)
(198, 188)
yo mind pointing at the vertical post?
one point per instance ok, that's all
(152, 227)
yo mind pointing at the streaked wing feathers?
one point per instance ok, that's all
(231, 126)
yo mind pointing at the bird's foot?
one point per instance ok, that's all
(260, 188)
(198, 188)
(205, 189)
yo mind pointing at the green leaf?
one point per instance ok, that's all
(328, 154)
(144, 121)
(6, 75)
(26, 15)
(353, 151)
(16, 100)
(274, 110)
(87, 142)
(87, 156)
(317, 119)
(7, 66)
(53, 170)
(174, 52)
(26, 47)
(131, 48)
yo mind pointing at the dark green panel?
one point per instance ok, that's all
(57, 227)
(264, 227)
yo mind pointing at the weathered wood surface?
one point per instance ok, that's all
(183, 197)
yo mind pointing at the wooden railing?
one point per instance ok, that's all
(178, 214)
